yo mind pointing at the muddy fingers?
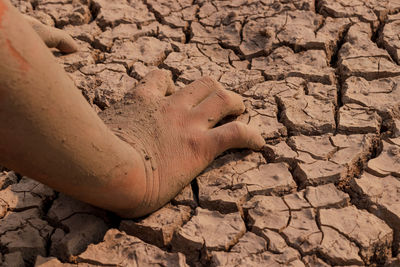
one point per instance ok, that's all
(197, 91)
(218, 105)
(235, 135)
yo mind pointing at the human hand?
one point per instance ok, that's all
(53, 37)
(175, 131)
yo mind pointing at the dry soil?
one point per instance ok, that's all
(320, 79)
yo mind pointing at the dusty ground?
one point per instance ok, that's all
(321, 81)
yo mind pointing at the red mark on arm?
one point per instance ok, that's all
(23, 64)
(3, 9)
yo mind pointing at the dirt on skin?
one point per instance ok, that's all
(320, 80)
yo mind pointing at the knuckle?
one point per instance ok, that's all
(166, 74)
(211, 83)
(222, 140)
(51, 40)
(195, 144)
(225, 97)
(160, 74)
(207, 80)
(239, 130)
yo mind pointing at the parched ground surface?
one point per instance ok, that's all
(320, 79)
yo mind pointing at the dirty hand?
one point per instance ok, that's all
(53, 37)
(175, 131)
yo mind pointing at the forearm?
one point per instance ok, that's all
(50, 133)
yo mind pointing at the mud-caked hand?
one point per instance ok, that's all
(176, 133)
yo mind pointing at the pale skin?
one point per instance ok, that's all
(130, 159)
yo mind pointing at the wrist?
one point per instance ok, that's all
(141, 186)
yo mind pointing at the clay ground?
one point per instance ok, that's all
(320, 80)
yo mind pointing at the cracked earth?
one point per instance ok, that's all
(320, 80)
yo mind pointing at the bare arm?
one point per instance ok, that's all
(50, 133)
